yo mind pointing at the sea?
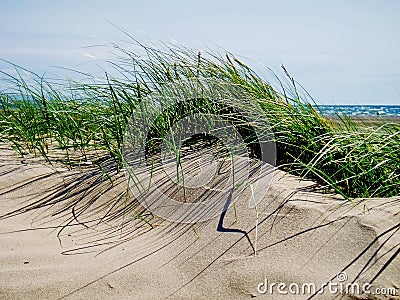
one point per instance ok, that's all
(361, 110)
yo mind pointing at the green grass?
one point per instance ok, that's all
(353, 159)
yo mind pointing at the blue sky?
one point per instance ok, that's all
(342, 52)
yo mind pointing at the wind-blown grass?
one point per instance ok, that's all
(352, 159)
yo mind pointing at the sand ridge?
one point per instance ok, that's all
(303, 237)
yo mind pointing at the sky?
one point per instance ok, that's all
(342, 52)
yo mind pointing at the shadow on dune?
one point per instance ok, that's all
(94, 205)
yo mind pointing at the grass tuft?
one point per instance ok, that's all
(90, 116)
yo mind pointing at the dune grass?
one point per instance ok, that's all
(90, 116)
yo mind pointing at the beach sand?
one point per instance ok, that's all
(303, 237)
(370, 120)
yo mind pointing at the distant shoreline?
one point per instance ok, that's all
(369, 120)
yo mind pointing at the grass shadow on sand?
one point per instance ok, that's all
(94, 205)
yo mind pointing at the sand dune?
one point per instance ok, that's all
(304, 237)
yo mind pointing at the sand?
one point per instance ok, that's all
(303, 237)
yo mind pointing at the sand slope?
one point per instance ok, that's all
(303, 237)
